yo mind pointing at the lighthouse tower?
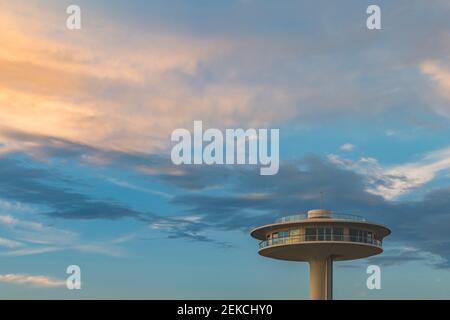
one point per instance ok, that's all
(320, 237)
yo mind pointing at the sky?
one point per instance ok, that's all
(86, 118)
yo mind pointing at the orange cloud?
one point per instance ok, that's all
(440, 77)
(126, 91)
(439, 74)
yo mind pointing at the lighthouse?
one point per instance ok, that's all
(321, 237)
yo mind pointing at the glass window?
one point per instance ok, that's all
(311, 234)
(324, 234)
(283, 234)
(275, 238)
(320, 234)
(364, 236)
(295, 232)
(328, 234)
(361, 236)
(354, 235)
(370, 237)
(338, 234)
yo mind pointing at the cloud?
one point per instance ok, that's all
(8, 243)
(391, 182)
(397, 256)
(29, 251)
(37, 238)
(347, 147)
(43, 148)
(420, 223)
(297, 187)
(86, 98)
(33, 280)
(89, 88)
(439, 75)
(54, 195)
(36, 232)
(85, 89)
(34, 186)
(131, 186)
(189, 227)
(220, 199)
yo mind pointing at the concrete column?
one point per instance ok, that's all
(321, 278)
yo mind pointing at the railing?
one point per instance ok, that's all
(334, 216)
(326, 237)
(297, 217)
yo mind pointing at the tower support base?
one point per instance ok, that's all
(321, 278)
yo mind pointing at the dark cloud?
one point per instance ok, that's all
(388, 259)
(255, 199)
(397, 257)
(421, 224)
(226, 198)
(187, 177)
(23, 183)
(42, 146)
(197, 177)
(28, 181)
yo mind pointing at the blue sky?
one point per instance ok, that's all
(85, 124)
